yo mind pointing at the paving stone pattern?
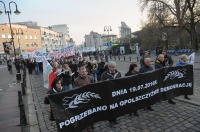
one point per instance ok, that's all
(165, 117)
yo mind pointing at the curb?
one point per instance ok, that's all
(33, 122)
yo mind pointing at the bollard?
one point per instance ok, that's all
(129, 58)
(115, 57)
(19, 98)
(18, 76)
(124, 58)
(23, 120)
(23, 89)
(119, 57)
(24, 82)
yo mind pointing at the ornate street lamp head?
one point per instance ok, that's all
(17, 12)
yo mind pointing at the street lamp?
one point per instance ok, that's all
(18, 32)
(17, 12)
(107, 28)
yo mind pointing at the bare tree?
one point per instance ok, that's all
(181, 10)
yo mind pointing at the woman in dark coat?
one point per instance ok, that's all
(56, 87)
(132, 71)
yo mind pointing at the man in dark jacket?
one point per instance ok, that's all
(110, 74)
(167, 59)
(83, 78)
(146, 68)
(66, 77)
(102, 67)
(159, 63)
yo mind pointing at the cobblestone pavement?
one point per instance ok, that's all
(165, 117)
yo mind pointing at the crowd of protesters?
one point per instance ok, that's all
(72, 72)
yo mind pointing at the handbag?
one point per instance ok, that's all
(46, 100)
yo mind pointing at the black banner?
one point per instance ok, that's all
(79, 108)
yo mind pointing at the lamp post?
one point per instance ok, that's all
(107, 28)
(8, 12)
(18, 32)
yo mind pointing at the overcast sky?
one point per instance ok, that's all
(81, 16)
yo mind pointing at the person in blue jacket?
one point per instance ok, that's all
(182, 62)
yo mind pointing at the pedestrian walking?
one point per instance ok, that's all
(133, 71)
(110, 74)
(56, 88)
(66, 77)
(182, 62)
(167, 59)
(9, 64)
(102, 67)
(146, 68)
(36, 66)
(81, 80)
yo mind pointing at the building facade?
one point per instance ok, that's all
(64, 33)
(51, 40)
(93, 40)
(124, 33)
(25, 39)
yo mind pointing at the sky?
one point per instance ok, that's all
(81, 16)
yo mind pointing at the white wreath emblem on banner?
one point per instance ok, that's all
(175, 74)
(72, 102)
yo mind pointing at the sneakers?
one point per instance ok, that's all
(186, 97)
(112, 123)
(136, 113)
(149, 108)
(171, 102)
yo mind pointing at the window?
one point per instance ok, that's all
(9, 36)
(31, 37)
(35, 37)
(27, 45)
(3, 36)
(26, 37)
(36, 45)
(32, 45)
(18, 37)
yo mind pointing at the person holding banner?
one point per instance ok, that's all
(81, 80)
(56, 87)
(182, 62)
(167, 59)
(160, 63)
(146, 68)
(132, 71)
(110, 74)
(93, 68)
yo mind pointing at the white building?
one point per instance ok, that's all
(64, 33)
(93, 40)
(124, 32)
(51, 40)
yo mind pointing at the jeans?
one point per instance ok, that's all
(94, 76)
(67, 87)
(37, 69)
